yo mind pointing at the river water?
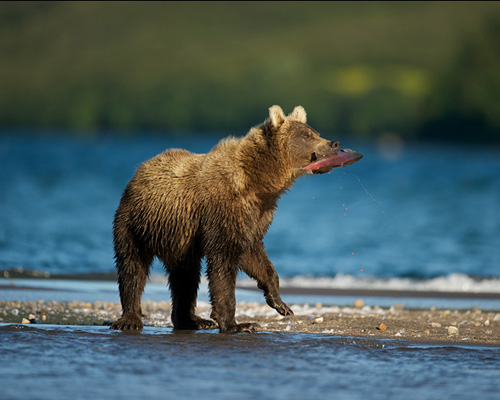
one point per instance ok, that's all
(424, 217)
(417, 213)
(57, 362)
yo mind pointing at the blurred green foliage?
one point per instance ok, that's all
(417, 69)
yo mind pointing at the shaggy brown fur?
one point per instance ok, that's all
(181, 207)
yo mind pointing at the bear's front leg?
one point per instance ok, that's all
(258, 266)
(221, 274)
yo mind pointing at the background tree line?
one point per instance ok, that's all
(415, 69)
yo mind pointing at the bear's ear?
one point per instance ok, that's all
(276, 116)
(299, 114)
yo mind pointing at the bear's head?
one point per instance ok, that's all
(303, 143)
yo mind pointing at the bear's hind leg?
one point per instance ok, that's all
(133, 269)
(184, 279)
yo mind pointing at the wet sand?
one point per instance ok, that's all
(433, 326)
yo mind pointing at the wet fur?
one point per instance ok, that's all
(181, 207)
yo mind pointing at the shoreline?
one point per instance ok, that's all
(361, 292)
(472, 327)
(311, 291)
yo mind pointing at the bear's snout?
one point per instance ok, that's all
(335, 145)
(331, 147)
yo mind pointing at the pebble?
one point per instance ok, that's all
(487, 322)
(452, 331)
(318, 320)
(396, 308)
(25, 321)
(359, 303)
(382, 327)
(435, 325)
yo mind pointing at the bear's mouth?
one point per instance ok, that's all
(341, 158)
(320, 154)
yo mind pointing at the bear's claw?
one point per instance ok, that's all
(195, 324)
(206, 324)
(280, 307)
(127, 324)
(285, 310)
(248, 327)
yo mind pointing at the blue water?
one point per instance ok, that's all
(57, 362)
(431, 210)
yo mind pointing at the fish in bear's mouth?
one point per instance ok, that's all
(341, 158)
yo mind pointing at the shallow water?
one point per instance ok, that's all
(60, 362)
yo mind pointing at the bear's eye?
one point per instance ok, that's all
(308, 135)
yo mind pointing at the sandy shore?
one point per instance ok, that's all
(433, 326)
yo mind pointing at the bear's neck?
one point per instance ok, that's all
(266, 164)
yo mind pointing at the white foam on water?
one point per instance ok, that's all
(455, 282)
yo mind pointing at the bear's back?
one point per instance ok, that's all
(160, 201)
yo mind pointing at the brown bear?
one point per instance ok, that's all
(181, 207)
